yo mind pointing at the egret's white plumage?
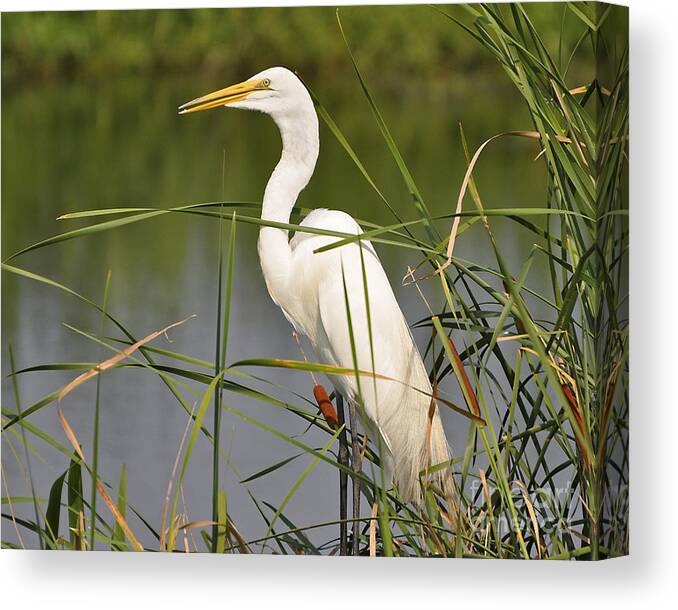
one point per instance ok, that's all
(312, 289)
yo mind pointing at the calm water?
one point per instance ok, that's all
(81, 145)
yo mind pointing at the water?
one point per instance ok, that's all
(70, 146)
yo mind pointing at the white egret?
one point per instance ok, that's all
(313, 289)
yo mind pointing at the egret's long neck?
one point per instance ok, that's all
(299, 133)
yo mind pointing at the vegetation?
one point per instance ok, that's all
(103, 44)
(540, 376)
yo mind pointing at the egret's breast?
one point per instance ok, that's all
(310, 268)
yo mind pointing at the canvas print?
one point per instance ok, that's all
(317, 281)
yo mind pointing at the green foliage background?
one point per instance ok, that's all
(106, 43)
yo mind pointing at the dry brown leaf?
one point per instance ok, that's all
(512, 338)
(79, 380)
(474, 406)
(192, 524)
(100, 488)
(533, 515)
(534, 135)
(486, 489)
(585, 88)
(429, 425)
(233, 531)
(107, 364)
(373, 530)
(564, 375)
(170, 483)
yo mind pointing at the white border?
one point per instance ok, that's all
(106, 580)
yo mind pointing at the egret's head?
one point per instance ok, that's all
(276, 91)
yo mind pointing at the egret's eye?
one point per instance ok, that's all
(266, 82)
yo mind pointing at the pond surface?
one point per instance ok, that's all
(71, 146)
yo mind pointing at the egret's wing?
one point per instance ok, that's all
(344, 282)
(376, 343)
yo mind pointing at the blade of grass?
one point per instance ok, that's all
(302, 478)
(75, 506)
(118, 540)
(17, 398)
(54, 508)
(390, 142)
(200, 415)
(95, 434)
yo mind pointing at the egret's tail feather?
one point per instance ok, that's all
(409, 463)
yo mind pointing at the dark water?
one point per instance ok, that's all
(81, 145)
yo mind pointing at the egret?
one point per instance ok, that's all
(317, 291)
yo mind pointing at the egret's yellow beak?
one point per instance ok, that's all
(231, 94)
